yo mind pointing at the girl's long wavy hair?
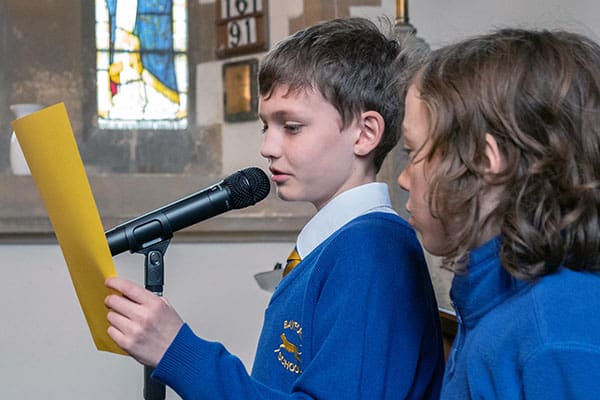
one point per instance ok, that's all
(538, 94)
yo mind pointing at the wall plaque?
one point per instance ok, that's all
(242, 27)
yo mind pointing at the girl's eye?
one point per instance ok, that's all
(411, 155)
(264, 128)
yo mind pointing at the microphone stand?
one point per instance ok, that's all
(154, 265)
(139, 240)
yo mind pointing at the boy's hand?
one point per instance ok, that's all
(141, 323)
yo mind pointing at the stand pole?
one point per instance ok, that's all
(154, 281)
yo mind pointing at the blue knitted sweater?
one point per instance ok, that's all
(356, 319)
(521, 340)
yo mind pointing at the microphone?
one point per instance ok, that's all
(239, 190)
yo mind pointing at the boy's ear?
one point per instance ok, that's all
(493, 155)
(371, 127)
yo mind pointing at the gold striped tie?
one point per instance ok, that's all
(292, 260)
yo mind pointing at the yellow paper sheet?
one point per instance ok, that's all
(51, 152)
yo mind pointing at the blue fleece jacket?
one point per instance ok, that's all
(523, 340)
(356, 319)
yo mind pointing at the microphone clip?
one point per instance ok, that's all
(154, 266)
(145, 234)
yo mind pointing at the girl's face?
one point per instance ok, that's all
(414, 178)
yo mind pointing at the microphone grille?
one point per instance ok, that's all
(247, 187)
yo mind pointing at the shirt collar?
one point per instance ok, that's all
(340, 210)
(485, 284)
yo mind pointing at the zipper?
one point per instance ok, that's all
(457, 343)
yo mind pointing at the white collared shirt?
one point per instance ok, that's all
(340, 210)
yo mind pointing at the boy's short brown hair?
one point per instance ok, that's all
(351, 63)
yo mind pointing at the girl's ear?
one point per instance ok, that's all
(493, 155)
(371, 127)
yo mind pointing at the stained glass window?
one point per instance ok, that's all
(141, 64)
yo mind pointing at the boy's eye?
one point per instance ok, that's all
(292, 128)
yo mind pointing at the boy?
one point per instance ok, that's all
(503, 137)
(356, 318)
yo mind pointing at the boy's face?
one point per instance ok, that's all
(311, 157)
(414, 177)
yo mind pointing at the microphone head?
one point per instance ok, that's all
(247, 187)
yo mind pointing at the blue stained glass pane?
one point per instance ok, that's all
(145, 89)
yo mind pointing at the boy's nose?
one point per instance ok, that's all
(270, 147)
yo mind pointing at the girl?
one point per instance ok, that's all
(503, 137)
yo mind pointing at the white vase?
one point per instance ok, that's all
(18, 165)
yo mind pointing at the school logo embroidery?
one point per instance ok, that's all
(289, 351)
